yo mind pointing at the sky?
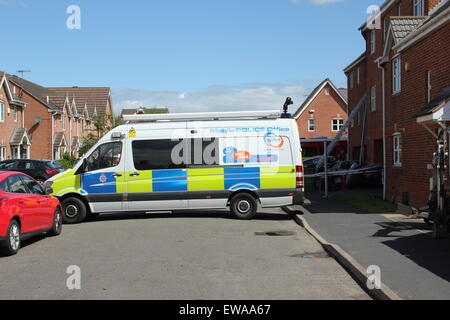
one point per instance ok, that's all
(188, 55)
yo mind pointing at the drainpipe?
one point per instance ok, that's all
(383, 102)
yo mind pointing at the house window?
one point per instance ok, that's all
(396, 75)
(429, 86)
(373, 44)
(350, 79)
(2, 111)
(397, 155)
(63, 122)
(337, 124)
(419, 8)
(327, 91)
(311, 125)
(358, 76)
(386, 28)
(2, 153)
(15, 152)
(373, 98)
(15, 113)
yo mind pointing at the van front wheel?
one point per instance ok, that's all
(74, 210)
(243, 206)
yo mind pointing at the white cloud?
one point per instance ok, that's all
(253, 96)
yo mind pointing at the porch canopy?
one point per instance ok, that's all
(437, 110)
(19, 137)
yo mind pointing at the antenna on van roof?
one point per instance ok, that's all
(286, 108)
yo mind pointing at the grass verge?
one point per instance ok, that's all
(367, 202)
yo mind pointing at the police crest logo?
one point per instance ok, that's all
(102, 178)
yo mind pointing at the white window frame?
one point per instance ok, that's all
(338, 125)
(63, 122)
(429, 87)
(373, 98)
(373, 43)
(418, 8)
(15, 152)
(2, 111)
(2, 153)
(397, 149)
(15, 113)
(396, 75)
(386, 27)
(312, 122)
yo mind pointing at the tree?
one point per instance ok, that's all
(102, 125)
(67, 161)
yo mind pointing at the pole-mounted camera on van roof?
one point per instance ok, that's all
(285, 113)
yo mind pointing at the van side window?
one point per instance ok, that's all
(107, 155)
(157, 154)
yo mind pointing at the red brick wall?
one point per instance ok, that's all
(8, 125)
(40, 133)
(326, 107)
(418, 144)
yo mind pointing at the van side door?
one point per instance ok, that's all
(157, 175)
(104, 176)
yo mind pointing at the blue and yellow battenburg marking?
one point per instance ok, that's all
(191, 180)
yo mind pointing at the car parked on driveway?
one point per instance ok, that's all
(39, 170)
(26, 210)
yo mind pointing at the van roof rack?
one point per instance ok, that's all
(274, 114)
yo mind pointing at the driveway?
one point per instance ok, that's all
(185, 255)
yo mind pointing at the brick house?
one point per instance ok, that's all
(77, 107)
(321, 115)
(405, 65)
(15, 141)
(58, 119)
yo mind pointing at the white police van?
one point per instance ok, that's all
(235, 160)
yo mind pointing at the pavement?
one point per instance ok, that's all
(413, 264)
(185, 255)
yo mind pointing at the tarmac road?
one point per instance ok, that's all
(185, 255)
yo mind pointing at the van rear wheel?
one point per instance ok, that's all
(74, 210)
(243, 206)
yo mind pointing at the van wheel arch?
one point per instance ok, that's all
(80, 206)
(250, 192)
(76, 195)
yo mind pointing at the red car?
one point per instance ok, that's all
(26, 210)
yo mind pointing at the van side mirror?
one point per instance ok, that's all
(48, 190)
(82, 168)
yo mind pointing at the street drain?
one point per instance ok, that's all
(280, 233)
(313, 255)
